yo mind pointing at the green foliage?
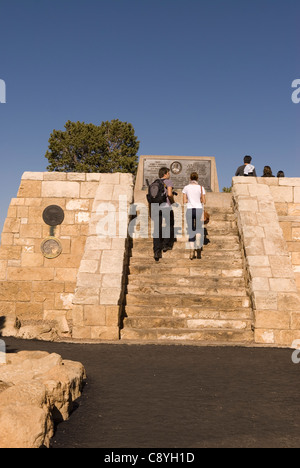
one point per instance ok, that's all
(227, 189)
(109, 147)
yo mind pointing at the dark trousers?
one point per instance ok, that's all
(195, 224)
(163, 235)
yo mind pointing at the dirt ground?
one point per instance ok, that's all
(167, 396)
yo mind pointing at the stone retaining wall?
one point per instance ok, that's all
(268, 218)
(287, 203)
(100, 292)
(52, 297)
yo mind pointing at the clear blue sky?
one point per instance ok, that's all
(194, 77)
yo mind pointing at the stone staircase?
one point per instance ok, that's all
(203, 300)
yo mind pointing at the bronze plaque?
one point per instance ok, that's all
(180, 170)
(53, 215)
(51, 247)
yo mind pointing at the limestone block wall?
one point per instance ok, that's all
(100, 292)
(268, 219)
(287, 202)
(51, 296)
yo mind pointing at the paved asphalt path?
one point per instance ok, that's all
(167, 396)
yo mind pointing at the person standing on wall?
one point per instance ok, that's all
(194, 196)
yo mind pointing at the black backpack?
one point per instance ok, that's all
(157, 192)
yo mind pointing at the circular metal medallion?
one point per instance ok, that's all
(51, 247)
(176, 167)
(53, 215)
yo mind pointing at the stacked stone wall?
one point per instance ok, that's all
(100, 294)
(287, 202)
(51, 296)
(268, 219)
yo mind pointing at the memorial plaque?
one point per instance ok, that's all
(51, 247)
(53, 215)
(180, 171)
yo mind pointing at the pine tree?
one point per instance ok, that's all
(109, 147)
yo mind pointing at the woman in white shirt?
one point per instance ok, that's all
(194, 198)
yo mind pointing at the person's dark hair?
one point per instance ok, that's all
(268, 171)
(163, 171)
(194, 176)
(280, 174)
(247, 159)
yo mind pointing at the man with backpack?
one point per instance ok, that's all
(160, 197)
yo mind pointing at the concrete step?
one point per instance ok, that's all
(192, 312)
(217, 337)
(146, 226)
(185, 266)
(169, 291)
(218, 236)
(187, 300)
(190, 268)
(217, 226)
(209, 256)
(216, 250)
(220, 224)
(175, 281)
(215, 215)
(186, 323)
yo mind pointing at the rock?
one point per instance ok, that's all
(19, 433)
(11, 326)
(14, 327)
(39, 332)
(37, 389)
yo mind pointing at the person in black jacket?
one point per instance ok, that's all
(247, 170)
(163, 237)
